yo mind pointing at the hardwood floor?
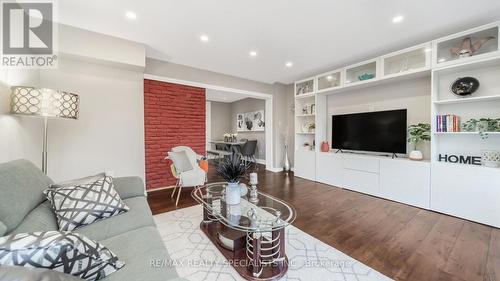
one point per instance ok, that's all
(400, 241)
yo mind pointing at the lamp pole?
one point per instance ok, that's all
(44, 149)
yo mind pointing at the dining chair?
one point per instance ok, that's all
(248, 151)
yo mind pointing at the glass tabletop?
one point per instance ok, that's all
(268, 214)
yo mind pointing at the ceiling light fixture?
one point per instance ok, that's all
(131, 15)
(329, 78)
(204, 38)
(289, 64)
(253, 53)
(397, 19)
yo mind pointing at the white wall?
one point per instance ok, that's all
(244, 106)
(414, 95)
(109, 135)
(19, 137)
(107, 73)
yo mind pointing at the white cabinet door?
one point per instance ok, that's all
(362, 182)
(406, 181)
(305, 164)
(329, 168)
(466, 191)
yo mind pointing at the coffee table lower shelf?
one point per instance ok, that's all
(243, 262)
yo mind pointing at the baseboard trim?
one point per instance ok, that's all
(274, 170)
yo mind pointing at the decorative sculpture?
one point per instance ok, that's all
(468, 48)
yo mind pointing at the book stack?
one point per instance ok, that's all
(448, 123)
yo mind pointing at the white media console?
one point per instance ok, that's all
(467, 191)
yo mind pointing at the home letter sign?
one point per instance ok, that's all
(461, 159)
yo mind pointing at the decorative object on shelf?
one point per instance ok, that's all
(232, 169)
(306, 145)
(469, 48)
(464, 86)
(45, 103)
(311, 127)
(490, 158)
(447, 123)
(253, 188)
(313, 108)
(416, 134)
(460, 159)
(366, 76)
(325, 147)
(469, 125)
(251, 121)
(304, 87)
(485, 125)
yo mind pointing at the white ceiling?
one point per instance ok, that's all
(222, 96)
(316, 35)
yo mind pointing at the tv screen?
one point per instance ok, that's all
(382, 131)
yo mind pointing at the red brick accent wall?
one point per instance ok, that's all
(173, 115)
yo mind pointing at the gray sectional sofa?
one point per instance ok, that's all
(132, 236)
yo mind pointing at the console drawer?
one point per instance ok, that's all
(361, 163)
(364, 182)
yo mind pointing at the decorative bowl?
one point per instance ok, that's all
(366, 76)
(464, 86)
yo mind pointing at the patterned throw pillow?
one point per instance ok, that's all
(80, 205)
(66, 252)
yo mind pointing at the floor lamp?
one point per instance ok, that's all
(44, 103)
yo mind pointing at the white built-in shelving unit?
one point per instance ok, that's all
(467, 191)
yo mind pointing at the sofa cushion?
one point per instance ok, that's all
(19, 273)
(139, 215)
(42, 218)
(21, 187)
(128, 187)
(67, 252)
(3, 229)
(82, 204)
(140, 249)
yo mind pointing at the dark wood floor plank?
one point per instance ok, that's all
(402, 242)
(493, 263)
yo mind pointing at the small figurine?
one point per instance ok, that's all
(468, 48)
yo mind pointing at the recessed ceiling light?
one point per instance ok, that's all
(398, 19)
(130, 15)
(204, 38)
(329, 78)
(289, 64)
(253, 53)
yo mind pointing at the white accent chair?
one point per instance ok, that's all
(191, 178)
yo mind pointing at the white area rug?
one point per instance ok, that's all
(196, 258)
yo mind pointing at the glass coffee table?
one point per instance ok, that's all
(251, 235)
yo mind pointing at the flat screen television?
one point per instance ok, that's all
(381, 131)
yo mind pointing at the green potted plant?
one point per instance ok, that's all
(232, 169)
(416, 134)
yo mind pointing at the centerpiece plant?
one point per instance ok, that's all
(232, 169)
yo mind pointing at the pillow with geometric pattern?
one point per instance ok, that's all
(66, 252)
(82, 204)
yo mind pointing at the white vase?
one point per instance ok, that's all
(416, 155)
(233, 193)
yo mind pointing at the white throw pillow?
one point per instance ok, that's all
(181, 161)
(82, 204)
(67, 252)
